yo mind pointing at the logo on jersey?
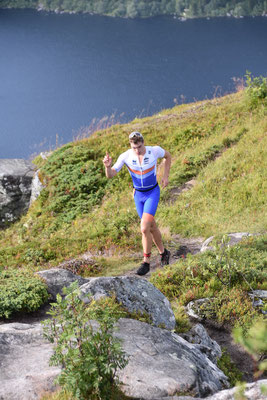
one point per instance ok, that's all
(134, 162)
(146, 160)
(149, 151)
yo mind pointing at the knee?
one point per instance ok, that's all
(145, 227)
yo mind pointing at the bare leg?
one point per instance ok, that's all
(147, 240)
(150, 232)
(156, 236)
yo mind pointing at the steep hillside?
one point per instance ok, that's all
(148, 8)
(220, 143)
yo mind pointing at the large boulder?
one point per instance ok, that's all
(15, 189)
(24, 362)
(162, 364)
(56, 279)
(136, 295)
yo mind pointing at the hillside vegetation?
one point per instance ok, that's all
(148, 8)
(219, 142)
(220, 145)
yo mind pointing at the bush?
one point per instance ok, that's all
(90, 357)
(20, 291)
(256, 89)
(74, 182)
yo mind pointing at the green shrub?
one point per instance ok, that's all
(90, 357)
(74, 182)
(20, 291)
(256, 89)
(232, 307)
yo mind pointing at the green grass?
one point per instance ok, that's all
(219, 142)
(225, 276)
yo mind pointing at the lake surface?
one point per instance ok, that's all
(59, 72)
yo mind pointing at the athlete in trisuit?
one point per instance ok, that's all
(141, 162)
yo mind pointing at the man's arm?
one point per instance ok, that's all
(167, 166)
(107, 161)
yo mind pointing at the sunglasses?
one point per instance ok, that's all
(134, 135)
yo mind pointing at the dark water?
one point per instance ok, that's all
(58, 72)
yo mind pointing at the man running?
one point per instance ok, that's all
(141, 162)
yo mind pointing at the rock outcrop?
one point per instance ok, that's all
(161, 363)
(136, 295)
(199, 336)
(56, 279)
(24, 362)
(15, 189)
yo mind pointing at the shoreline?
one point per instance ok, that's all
(182, 18)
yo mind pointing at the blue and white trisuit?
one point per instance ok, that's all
(144, 176)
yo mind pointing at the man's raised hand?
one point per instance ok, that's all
(107, 161)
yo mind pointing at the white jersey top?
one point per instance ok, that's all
(144, 175)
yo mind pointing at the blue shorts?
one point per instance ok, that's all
(147, 202)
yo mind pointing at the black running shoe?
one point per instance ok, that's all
(165, 257)
(143, 269)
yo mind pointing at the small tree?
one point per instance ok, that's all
(89, 356)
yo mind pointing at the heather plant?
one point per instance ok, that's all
(20, 291)
(89, 354)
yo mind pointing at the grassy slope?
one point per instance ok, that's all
(220, 142)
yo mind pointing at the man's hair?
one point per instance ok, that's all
(136, 137)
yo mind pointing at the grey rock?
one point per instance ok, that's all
(36, 187)
(15, 189)
(252, 392)
(199, 336)
(57, 278)
(137, 295)
(45, 154)
(193, 308)
(24, 362)
(262, 294)
(234, 239)
(178, 398)
(258, 299)
(163, 364)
